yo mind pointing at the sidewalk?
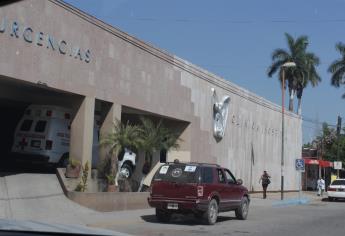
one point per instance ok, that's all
(290, 198)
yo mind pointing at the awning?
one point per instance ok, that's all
(322, 163)
(326, 163)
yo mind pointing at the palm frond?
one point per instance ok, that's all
(337, 77)
(341, 48)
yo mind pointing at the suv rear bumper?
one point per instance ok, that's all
(184, 205)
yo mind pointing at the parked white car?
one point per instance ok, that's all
(127, 163)
(336, 189)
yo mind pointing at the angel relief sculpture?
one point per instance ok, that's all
(220, 115)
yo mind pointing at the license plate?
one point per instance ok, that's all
(172, 206)
(36, 143)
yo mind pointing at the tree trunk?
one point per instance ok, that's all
(292, 94)
(114, 164)
(299, 110)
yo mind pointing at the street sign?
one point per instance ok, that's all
(300, 165)
(337, 165)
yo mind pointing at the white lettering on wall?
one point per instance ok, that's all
(39, 38)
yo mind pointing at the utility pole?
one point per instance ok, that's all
(338, 137)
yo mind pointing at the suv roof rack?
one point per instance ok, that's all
(195, 163)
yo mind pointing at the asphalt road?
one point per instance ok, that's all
(316, 218)
(38, 197)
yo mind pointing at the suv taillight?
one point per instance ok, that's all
(331, 189)
(49, 144)
(200, 191)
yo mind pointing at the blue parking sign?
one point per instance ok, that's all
(300, 165)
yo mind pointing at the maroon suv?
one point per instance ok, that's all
(202, 189)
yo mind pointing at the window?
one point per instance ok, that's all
(40, 126)
(338, 182)
(229, 177)
(207, 175)
(163, 156)
(26, 125)
(221, 177)
(179, 173)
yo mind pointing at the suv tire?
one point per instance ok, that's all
(163, 216)
(127, 170)
(242, 211)
(211, 214)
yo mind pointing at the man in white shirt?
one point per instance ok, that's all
(321, 186)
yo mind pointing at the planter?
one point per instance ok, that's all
(72, 172)
(111, 188)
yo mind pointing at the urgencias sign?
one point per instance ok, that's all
(16, 30)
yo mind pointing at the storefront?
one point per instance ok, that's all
(315, 168)
(53, 53)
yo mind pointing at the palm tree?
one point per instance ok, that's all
(337, 68)
(309, 76)
(302, 74)
(122, 136)
(156, 137)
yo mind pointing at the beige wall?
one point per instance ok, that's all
(129, 72)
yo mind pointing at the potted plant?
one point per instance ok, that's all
(73, 168)
(121, 137)
(111, 183)
(155, 137)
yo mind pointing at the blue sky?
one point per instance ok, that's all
(235, 39)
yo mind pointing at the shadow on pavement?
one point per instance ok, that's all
(189, 220)
(12, 167)
(334, 200)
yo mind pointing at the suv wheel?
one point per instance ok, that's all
(162, 216)
(211, 214)
(126, 170)
(242, 211)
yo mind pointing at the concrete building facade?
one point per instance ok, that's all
(53, 53)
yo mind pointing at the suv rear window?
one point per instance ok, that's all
(26, 125)
(338, 182)
(40, 126)
(179, 173)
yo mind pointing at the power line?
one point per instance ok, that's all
(230, 21)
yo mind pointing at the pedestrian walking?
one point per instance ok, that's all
(265, 180)
(320, 186)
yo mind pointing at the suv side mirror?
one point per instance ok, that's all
(239, 181)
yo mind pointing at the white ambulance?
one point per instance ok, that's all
(43, 135)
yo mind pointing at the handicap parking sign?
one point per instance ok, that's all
(300, 165)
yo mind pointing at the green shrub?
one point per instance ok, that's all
(82, 186)
(111, 179)
(74, 162)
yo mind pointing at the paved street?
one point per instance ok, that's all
(316, 218)
(22, 198)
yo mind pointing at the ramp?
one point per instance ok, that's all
(38, 196)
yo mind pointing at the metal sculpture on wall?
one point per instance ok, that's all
(220, 115)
